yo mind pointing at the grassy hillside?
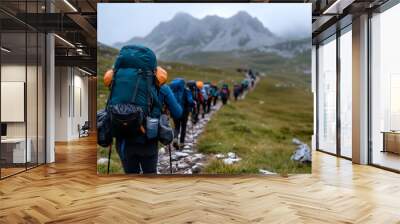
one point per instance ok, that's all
(260, 128)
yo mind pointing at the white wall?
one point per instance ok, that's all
(71, 93)
(12, 73)
(62, 81)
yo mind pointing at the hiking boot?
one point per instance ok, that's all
(175, 144)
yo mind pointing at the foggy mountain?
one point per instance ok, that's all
(184, 35)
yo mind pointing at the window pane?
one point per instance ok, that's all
(327, 96)
(14, 153)
(386, 89)
(346, 94)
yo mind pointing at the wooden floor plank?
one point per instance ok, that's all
(69, 191)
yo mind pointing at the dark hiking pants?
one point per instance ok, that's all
(135, 164)
(208, 105)
(215, 98)
(180, 127)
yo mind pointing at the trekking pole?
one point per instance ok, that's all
(170, 158)
(109, 158)
(192, 133)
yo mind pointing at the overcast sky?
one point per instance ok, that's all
(121, 21)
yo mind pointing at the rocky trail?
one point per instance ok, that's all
(189, 160)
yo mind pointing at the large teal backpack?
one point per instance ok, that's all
(133, 96)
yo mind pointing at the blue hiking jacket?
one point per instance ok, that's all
(204, 93)
(189, 98)
(166, 97)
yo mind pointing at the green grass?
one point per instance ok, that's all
(260, 130)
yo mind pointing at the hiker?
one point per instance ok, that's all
(214, 94)
(207, 90)
(224, 93)
(237, 91)
(191, 85)
(166, 96)
(252, 77)
(202, 97)
(185, 100)
(251, 74)
(245, 84)
(137, 96)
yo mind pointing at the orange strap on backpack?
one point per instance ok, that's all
(161, 75)
(108, 77)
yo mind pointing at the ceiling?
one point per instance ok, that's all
(74, 22)
(330, 15)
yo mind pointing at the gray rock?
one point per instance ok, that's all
(181, 154)
(230, 161)
(266, 172)
(103, 161)
(197, 168)
(296, 141)
(163, 158)
(189, 160)
(188, 151)
(182, 165)
(220, 156)
(189, 140)
(302, 154)
(188, 171)
(199, 155)
(232, 155)
(195, 159)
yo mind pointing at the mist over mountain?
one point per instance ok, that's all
(184, 35)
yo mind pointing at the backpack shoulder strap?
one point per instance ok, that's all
(136, 87)
(151, 99)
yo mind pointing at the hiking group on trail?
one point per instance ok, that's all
(140, 104)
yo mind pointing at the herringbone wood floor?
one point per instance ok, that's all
(69, 191)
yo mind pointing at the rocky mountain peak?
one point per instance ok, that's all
(185, 34)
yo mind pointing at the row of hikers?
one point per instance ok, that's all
(249, 82)
(194, 97)
(140, 104)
